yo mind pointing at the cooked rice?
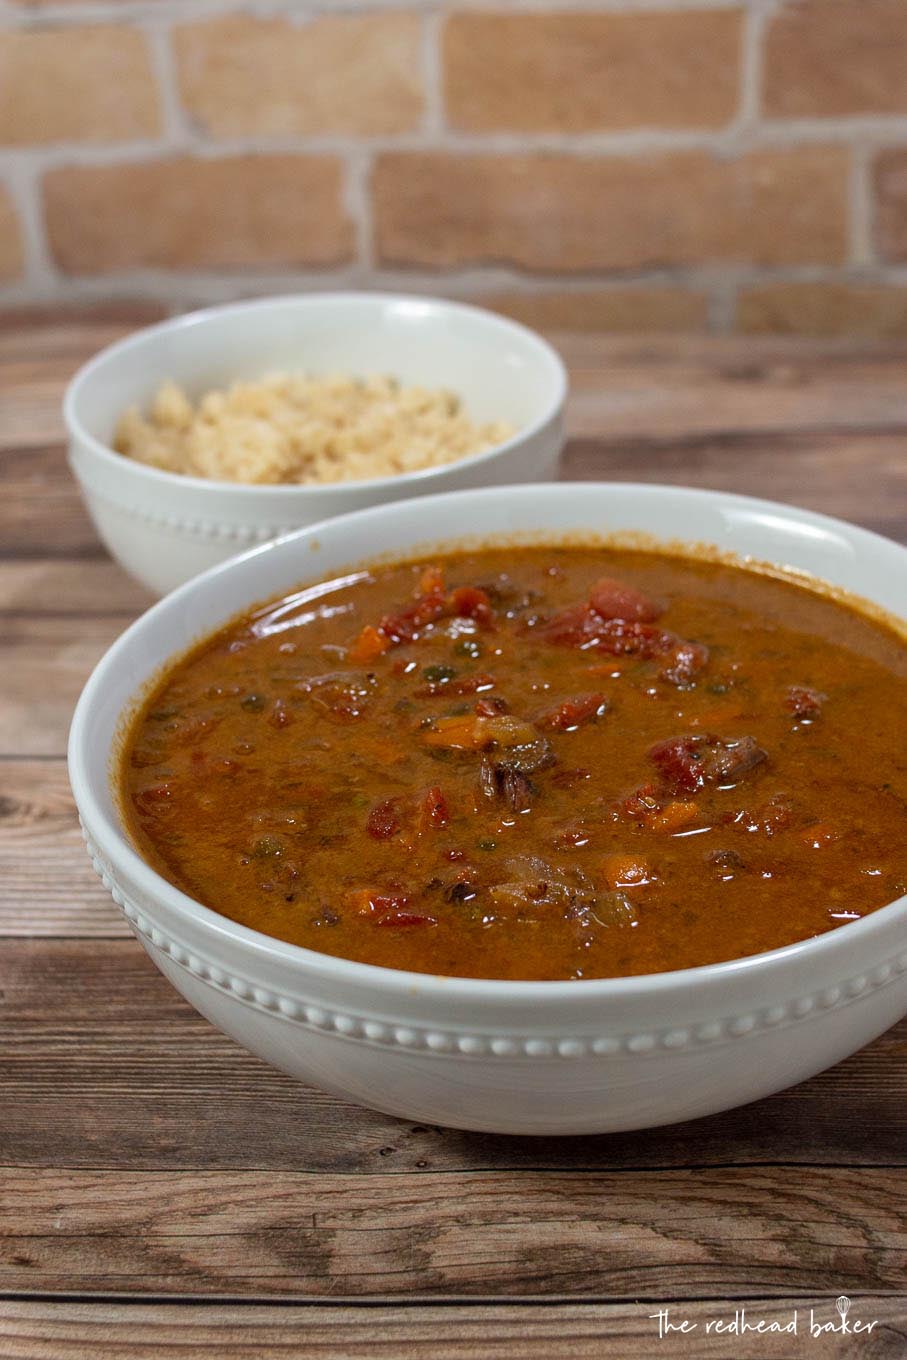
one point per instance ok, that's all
(293, 428)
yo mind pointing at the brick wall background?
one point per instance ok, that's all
(628, 165)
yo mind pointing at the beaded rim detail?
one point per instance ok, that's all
(412, 1037)
(195, 528)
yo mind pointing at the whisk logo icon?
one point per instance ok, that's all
(842, 1327)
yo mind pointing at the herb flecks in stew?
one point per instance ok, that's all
(535, 764)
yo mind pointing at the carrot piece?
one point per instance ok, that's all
(673, 817)
(473, 732)
(467, 733)
(625, 871)
(431, 582)
(368, 645)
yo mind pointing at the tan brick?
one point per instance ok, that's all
(10, 239)
(827, 58)
(360, 74)
(76, 84)
(198, 214)
(890, 182)
(823, 309)
(549, 212)
(586, 72)
(605, 309)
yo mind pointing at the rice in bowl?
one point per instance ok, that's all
(299, 429)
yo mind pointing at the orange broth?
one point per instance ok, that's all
(532, 763)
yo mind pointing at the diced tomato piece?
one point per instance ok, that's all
(684, 663)
(572, 713)
(433, 809)
(613, 599)
(687, 764)
(432, 604)
(469, 602)
(679, 762)
(469, 684)
(581, 626)
(369, 645)
(383, 820)
(373, 902)
(639, 806)
(407, 625)
(805, 703)
(622, 638)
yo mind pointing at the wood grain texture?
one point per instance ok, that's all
(478, 1331)
(54, 586)
(40, 351)
(47, 884)
(45, 660)
(854, 476)
(676, 1234)
(143, 1154)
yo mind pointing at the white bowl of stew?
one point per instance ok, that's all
(717, 914)
(164, 527)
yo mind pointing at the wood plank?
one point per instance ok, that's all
(570, 1330)
(677, 386)
(857, 477)
(41, 349)
(41, 512)
(47, 884)
(48, 585)
(135, 1069)
(45, 662)
(670, 1234)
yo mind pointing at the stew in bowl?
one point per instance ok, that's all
(533, 763)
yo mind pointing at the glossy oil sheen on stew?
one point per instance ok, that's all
(532, 763)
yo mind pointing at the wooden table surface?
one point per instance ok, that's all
(162, 1192)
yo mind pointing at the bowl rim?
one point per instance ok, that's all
(113, 841)
(90, 370)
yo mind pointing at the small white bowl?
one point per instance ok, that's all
(164, 528)
(509, 1057)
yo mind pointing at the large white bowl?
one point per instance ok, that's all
(164, 528)
(532, 1057)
